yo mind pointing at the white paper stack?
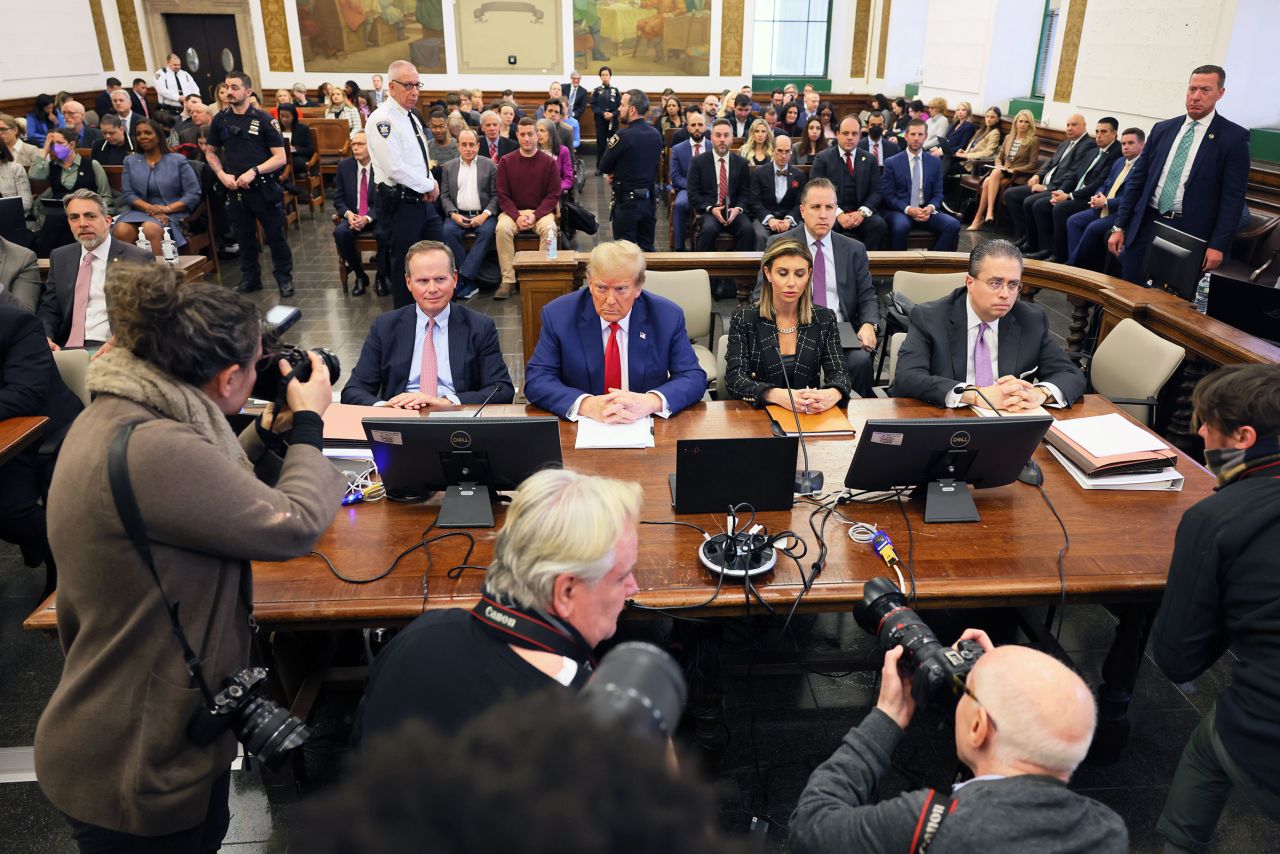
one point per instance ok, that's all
(1165, 480)
(595, 434)
(1109, 435)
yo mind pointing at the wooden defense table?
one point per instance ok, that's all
(1121, 542)
(17, 433)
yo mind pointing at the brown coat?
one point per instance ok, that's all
(1024, 163)
(110, 748)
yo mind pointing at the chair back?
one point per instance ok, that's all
(689, 289)
(925, 287)
(1133, 362)
(73, 365)
(722, 356)
(115, 177)
(895, 344)
(331, 136)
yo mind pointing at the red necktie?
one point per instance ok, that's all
(724, 182)
(848, 159)
(876, 150)
(363, 207)
(697, 149)
(80, 305)
(428, 379)
(493, 150)
(612, 360)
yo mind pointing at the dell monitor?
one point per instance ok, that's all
(942, 457)
(1249, 307)
(469, 458)
(1174, 260)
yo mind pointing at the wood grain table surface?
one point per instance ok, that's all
(17, 433)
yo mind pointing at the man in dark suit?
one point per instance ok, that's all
(775, 194)
(719, 186)
(575, 95)
(102, 104)
(857, 181)
(875, 143)
(493, 144)
(841, 278)
(682, 155)
(432, 352)
(73, 307)
(741, 117)
(19, 276)
(1051, 219)
(605, 99)
(123, 108)
(1087, 229)
(353, 196)
(1073, 154)
(912, 189)
(1193, 175)
(612, 352)
(980, 346)
(469, 196)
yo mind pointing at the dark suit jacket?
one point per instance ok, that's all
(1215, 187)
(88, 137)
(889, 147)
(704, 182)
(681, 158)
(764, 200)
(29, 380)
(102, 104)
(579, 105)
(58, 297)
(1067, 167)
(506, 145)
(862, 189)
(741, 133)
(1095, 177)
(895, 181)
(1117, 165)
(475, 358)
(19, 276)
(486, 176)
(346, 190)
(569, 359)
(303, 141)
(753, 367)
(934, 357)
(858, 301)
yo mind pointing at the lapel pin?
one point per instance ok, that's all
(641, 336)
(1210, 136)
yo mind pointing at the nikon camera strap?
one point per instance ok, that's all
(937, 807)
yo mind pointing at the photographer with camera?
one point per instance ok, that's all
(154, 515)
(1023, 723)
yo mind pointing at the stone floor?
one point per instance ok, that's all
(779, 727)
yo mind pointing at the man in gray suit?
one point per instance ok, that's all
(469, 196)
(841, 278)
(980, 346)
(19, 276)
(73, 307)
(1073, 157)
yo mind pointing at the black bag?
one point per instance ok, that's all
(575, 218)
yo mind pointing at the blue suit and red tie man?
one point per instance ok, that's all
(1192, 175)
(612, 352)
(911, 194)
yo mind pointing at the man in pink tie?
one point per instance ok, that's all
(981, 346)
(353, 197)
(72, 306)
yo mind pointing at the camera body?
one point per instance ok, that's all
(638, 688)
(937, 671)
(268, 385)
(265, 728)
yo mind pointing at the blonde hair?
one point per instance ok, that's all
(748, 149)
(968, 108)
(1031, 126)
(617, 256)
(939, 104)
(560, 523)
(784, 249)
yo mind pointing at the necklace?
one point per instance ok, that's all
(788, 331)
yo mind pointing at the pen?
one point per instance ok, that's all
(1028, 373)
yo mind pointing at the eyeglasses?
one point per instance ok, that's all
(412, 84)
(998, 285)
(962, 688)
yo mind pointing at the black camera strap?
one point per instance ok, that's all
(131, 517)
(937, 807)
(532, 629)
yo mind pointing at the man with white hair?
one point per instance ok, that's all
(1022, 726)
(561, 574)
(73, 116)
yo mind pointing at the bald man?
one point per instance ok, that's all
(1022, 726)
(1063, 172)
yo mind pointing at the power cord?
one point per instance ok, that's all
(1062, 553)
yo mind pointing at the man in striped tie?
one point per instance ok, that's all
(1087, 229)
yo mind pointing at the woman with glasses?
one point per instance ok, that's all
(24, 153)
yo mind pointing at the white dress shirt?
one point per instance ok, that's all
(444, 372)
(397, 157)
(829, 256)
(468, 196)
(779, 190)
(1200, 131)
(993, 348)
(172, 86)
(624, 329)
(96, 327)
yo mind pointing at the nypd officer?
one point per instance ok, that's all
(631, 162)
(604, 103)
(406, 188)
(247, 158)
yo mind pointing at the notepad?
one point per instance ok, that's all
(596, 434)
(983, 412)
(1109, 435)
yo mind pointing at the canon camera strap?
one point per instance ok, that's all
(937, 807)
(533, 629)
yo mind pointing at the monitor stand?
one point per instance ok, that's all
(948, 500)
(466, 505)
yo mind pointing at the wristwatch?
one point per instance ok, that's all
(1115, 229)
(1048, 395)
(865, 211)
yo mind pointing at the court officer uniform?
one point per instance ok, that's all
(243, 143)
(399, 152)
(604, 99)
(632, 159)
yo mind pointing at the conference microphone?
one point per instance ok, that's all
(1031, 472)
(807, 481)
(496, 386)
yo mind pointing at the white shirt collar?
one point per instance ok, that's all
(1204, 122)
(623, 324)
(100, 253)
(810, 240)
(974, 320)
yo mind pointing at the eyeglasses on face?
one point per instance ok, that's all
(411, 84)
(999, 285)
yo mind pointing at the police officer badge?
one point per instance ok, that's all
(384, 128)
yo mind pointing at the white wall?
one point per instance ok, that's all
(1253, 87)
(981, 51)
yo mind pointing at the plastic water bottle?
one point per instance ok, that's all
(142, 242)
(553, 244)
(1202, 294)
(169, 248)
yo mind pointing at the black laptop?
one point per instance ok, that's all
(1249, 307)
(712, 474)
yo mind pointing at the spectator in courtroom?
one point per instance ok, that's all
(14, 181)
(549, 142)
(431, 353)
(719, 192)
(122, 106)
(682, 156)
(875, 143)
(42, 119)
(19, 276)
(613, 352)
(339, 108)
(1023, 724)
(857, 180)
(493, 144)
(984, 143)
(774, 203)
(24, 153)
(139, 98)
(812, 142)
(1051, 220)
(66, 171)
(299, 138)
(911, 187)
(936, 126)
(880, 104)
(441, 147)
(83, 136)
(1221, 599)
(353, 198)
(741, 118)
(201, 117)
(672, 117)
(115, 146)
(189, 101)
(810, 103)
(1062, 172)
(973, 320)
(159, 190)
(1087, 230)
(757, 148)
(789, 123)
(102, 103)
(528, 198)
(469, 197)
(1017, 160)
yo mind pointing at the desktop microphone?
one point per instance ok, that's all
(807, 481)
(496, 386)
(1031, 472)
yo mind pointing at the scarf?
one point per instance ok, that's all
(1232, 464)
(120, 373)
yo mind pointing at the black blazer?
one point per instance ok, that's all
(860, 190)
(59, 295)
(303, 141)
(29, 380)
(764, 200)
(934, 357)
(475, 358)
(753, 365)
(703, 182)
(1094, 177)
(506, 145)
(579, 105)
(1067, 167)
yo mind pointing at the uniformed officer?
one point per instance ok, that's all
(248, 154)
(173, 84)
(406, 189)
(604, 103)
(631, 162)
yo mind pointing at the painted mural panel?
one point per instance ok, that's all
(365, 36)
(643, 37)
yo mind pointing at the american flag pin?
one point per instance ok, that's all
(642, 336)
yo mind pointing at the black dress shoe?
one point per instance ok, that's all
(361, 288)
(380, 288)
(1038, 255)
(248, 287)
(286, 289)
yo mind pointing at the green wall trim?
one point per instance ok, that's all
(1035, 105)
(1264, 144)
(910, 90)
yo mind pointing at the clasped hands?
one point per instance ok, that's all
(416, 400)
(525, 220)
(808, 401)
(920, 214)
(725, 214)
(1009, 394)
(850, 219)
(619, 407)
(356, 222)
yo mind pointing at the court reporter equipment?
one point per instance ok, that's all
(808, 481)
(739, 554)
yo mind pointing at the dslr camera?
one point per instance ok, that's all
(937, 671)
(266, 729)
(638, 688)
(268, 385)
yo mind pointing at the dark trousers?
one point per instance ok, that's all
(1014, 199)
(23, 481)
(635, 220)
(345, 239)
(858, 363)
(469, 262)
(245, 209)
(744, 236)
(1087, 234)
(1059, 215)
(945, 226)
(410, 223)
(604, 130)
(1037, 220)
(204, 837)
(679, 220)
(871, 233)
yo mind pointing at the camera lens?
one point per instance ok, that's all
(638, 687)
(269, 732)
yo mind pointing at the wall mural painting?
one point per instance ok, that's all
(643, 37)
(509, 36)
(365, 36)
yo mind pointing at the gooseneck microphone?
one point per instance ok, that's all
(1031, 472)
(807, 480)
(496, 386)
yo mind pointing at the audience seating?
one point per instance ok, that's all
(333, 143)
(1131, 366)
(364, 243)
(313, 183)
(722, 360)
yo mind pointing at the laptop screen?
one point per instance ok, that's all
(1251, 308)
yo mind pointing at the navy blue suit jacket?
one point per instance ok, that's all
(569, 359)
(29, 380)
(346, 191)
(681, 157)
(475, 358)
(895, 181)
(1214, 192)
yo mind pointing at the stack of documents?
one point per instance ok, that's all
(1108, 445)
(1166, 480)
(595, 434)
